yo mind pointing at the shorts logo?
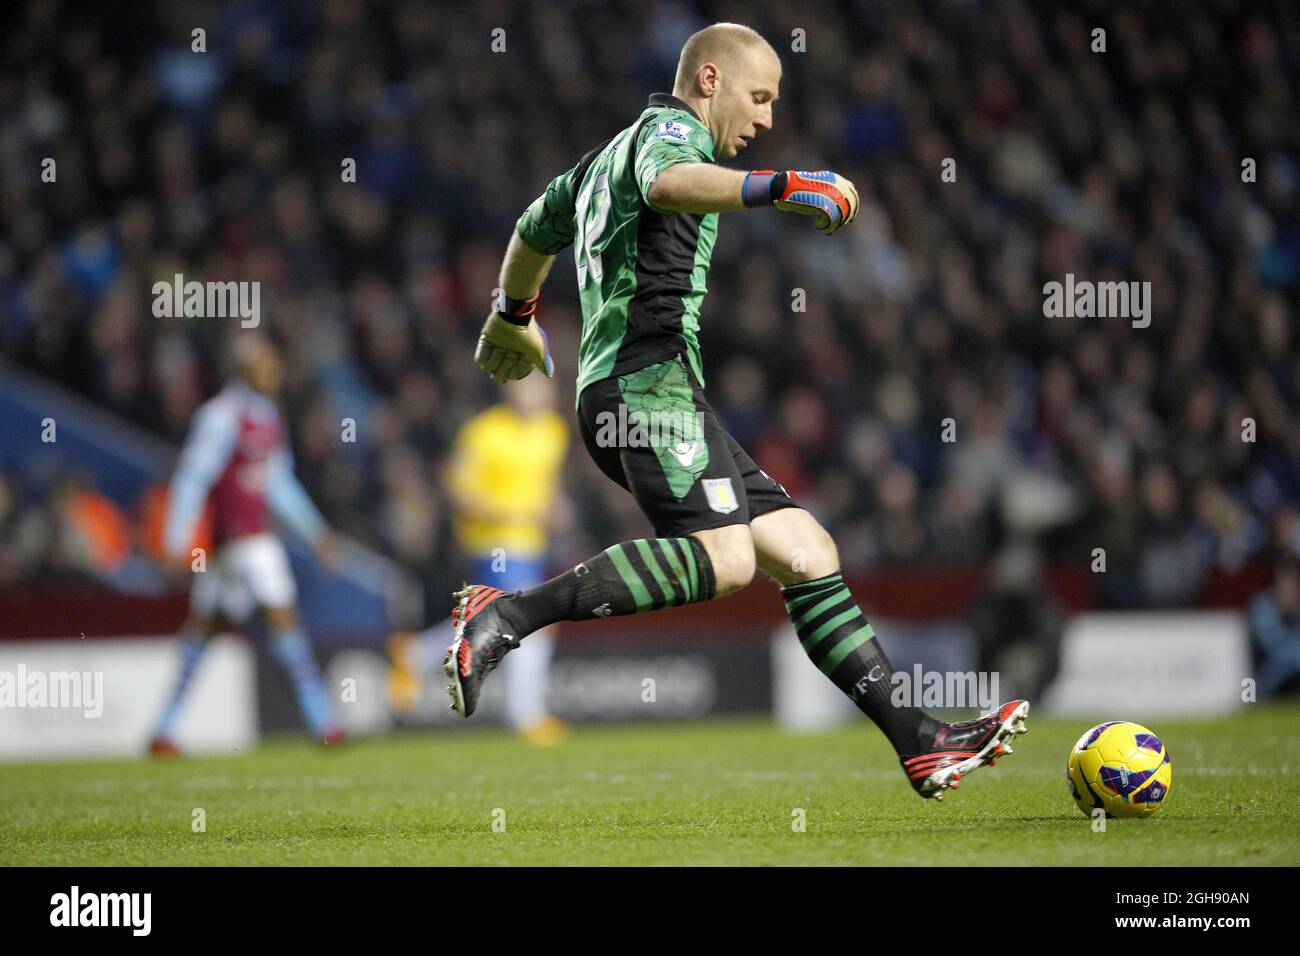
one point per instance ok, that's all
(684, 452)
(680, 132)
(720, 495)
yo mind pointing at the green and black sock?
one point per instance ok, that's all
(635, 576)
(836, 636)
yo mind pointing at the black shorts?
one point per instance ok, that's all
(653, 432)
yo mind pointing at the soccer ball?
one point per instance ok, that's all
(1121, 768)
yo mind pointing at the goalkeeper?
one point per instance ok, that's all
(641, 212)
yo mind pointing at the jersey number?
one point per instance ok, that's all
(597, 190)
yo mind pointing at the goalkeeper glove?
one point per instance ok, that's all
(832, 198)
(512, 344)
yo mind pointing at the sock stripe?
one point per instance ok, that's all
(688, 558)
(648, 557)
(672, 561)
(839, 640)
(845, 647)
(816, 637)
(792, 604)
(810, 587)
(630, 578)
(670, 557)
(837, 612)
(638, 562)
(805, 619)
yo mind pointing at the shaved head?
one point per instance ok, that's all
(729, 75)
(724, 44)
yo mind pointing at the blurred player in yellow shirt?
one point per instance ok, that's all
(502, 479)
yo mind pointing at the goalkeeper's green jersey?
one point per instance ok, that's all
(641, 270)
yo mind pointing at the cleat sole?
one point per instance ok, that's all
(449, 667)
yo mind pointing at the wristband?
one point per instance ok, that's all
(519, 311)
(762, 187)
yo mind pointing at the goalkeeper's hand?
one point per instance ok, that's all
(832, 198)
(512, 344)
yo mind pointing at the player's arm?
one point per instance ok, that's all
(524, 269)
(512, 344)
(675, 171)
(697, 188)
(289, 502)
(704, 188)
(207, 450)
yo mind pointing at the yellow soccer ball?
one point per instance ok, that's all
(1121, 768)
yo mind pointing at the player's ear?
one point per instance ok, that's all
(707, 79)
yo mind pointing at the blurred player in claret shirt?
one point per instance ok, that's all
(236, 463)
(502, 479)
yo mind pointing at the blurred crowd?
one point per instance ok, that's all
(835, 362)
(71, 533)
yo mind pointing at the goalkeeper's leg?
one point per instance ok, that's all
(799, 554)
(635, 576)
(645, 574)
(831, 627)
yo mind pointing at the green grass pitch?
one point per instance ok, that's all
(714, 792)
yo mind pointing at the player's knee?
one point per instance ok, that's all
(734, 572)
(814, 556)
(795, 547)
(731, 553)
(821, 557)
(791, 546)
